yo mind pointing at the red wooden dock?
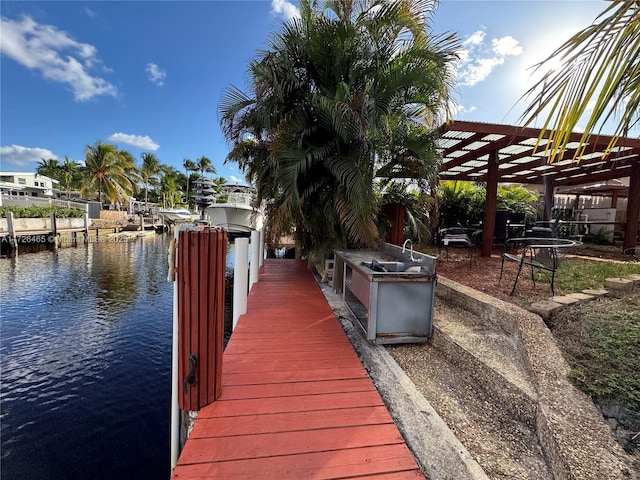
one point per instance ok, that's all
(296, 401)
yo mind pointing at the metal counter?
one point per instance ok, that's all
(391, 306)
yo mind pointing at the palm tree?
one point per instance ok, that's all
(49, 167)
(69, 173)
(169, 185)
(149, 171)
(599, 70)
(109, 171)
(203, 164)
(189, 166)
(340, 97)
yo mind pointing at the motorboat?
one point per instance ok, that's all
(233, 208)
(176, 215)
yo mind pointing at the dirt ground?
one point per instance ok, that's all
(483, 274)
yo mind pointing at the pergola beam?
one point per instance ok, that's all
(511, 148)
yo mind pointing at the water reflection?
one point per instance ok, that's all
(85, 359)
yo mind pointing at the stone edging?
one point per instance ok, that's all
(548, 308)
(576, 441)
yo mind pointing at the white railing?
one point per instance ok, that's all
(27, 201)
(232, 198)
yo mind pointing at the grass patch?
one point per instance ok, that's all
(600, 340)
(576, 274)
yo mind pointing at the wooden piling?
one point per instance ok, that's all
(201, 280)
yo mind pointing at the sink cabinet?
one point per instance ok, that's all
(390, 306)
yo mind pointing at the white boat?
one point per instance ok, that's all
(176, 215)
(232, 209)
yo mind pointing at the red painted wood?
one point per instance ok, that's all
(200, 277)
(302, 403)
(232, 392)
(289, 421)
(390, 459)
(292, 376)
(291, 443)
(396, 213)
(296, 401)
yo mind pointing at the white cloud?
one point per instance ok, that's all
(457, 109)
(90, 12)
(144, 142)
(478, 61)
(156, 75)
(22, 156)
(55, 54)
(234, 179)
(506, 46)
(287, 9)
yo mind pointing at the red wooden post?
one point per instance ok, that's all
(490, 203)
(396, 213)
(201, 278)
(630, 239)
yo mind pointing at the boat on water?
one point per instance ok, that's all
(176, 215)
(232, 208)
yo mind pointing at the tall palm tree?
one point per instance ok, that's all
(169, 185)
(204, 164)
(189, 166)
(149, 171)
(69, 174)
(49, 167)
(598, 69)
(339, 96)
(109, 171)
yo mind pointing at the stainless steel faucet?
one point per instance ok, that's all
(404, 248)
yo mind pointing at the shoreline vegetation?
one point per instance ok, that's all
(40, 212)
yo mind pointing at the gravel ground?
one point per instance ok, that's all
(505, 446)
(500, 434)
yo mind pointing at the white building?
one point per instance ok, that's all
(26, 184)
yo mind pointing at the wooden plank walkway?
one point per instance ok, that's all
(296, 401)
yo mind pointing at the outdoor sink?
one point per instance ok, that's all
(389, 292)
(395, 266)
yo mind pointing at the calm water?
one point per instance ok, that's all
(85, 356)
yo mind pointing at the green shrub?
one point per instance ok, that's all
(601, 237)
(41, 212)
(462, 203)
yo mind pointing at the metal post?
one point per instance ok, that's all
(240, 278)
(254, 269)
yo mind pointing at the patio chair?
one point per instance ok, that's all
(542, 254)
(457, 237)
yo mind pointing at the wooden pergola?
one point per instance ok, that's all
(494, 153)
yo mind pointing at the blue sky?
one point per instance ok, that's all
(147, 76)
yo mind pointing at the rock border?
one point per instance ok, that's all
(547, 309)
(575, 439)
